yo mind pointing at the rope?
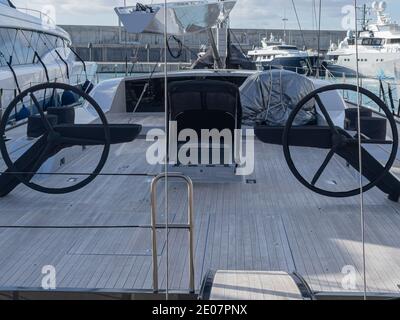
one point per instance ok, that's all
(180, 47)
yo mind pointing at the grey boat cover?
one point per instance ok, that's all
(269, 97)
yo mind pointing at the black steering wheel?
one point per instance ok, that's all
(53, 139)
(339, 142)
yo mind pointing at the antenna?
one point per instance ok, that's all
(285, 20)
(364, 19)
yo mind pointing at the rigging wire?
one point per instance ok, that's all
(50, 50)
(319, 34)
(315, 14)
(299, 24)
(166, 148)
(12, 71)
(10, 54)
(363, 225)
(146, 87)
(14, 43)
(5, 47)
(302, 35)
(240, 46)
(313, 22)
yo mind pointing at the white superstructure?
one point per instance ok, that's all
(277, 53)
(378, 44)
(31, 45)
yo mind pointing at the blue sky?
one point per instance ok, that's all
(247, 13)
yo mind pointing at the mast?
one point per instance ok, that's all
(219, 43)
(364, 17)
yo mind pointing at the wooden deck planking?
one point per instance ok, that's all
(239, 285)
(274, 225)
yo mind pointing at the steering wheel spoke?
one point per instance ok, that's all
(80, 142)
(326, 114)
(323, 166)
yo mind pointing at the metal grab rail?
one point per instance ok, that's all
(188, 226)
(37, 14)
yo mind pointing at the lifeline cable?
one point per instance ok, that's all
(360, 155)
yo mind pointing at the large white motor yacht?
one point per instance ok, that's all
(378, 44)
(276, 53)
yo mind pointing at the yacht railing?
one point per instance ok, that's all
(389, 92)
(189, 227)
(38, 14)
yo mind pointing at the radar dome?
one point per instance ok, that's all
(350, 34)
(383, 5)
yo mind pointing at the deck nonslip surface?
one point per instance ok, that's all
(270, 224)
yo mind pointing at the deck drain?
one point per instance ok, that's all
(332, 182)
(251, 181)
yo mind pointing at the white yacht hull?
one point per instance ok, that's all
(30, 47)
(15, 19)
(370, 65)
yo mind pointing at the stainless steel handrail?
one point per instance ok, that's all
(39, 14)
(189, 226)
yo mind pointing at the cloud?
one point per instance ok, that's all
(246, 14)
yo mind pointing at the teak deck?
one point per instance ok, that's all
(271, 223)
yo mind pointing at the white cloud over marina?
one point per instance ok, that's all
(247, 13)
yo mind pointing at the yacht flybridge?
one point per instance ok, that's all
(378, 45)
(34, 50)
(262, 174)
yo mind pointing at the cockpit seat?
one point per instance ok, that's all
(206, 105)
